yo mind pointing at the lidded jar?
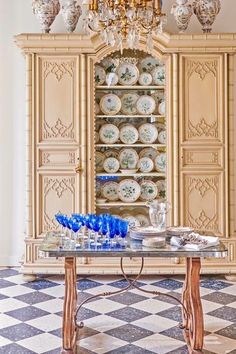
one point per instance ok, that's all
(46, 12)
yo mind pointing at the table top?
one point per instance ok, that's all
(53, 246)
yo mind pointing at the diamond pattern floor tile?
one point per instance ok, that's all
(27, 313)
(19, 331)
(128, 314)
(34, 297)
(129, 333)
(132, 323)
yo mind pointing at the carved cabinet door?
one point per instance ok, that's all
(203, 143)
(58, 141)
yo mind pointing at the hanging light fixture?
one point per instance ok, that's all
(119, 21)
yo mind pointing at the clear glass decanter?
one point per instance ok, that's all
(157, 213)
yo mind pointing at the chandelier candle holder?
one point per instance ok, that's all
(122, 21)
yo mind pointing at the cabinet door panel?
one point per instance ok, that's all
(58, 98)
(56, 193)
(203, 143)
(202, 107)
(203, 202)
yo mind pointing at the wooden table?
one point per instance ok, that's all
(192, 314)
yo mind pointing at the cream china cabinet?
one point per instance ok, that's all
(65, 145)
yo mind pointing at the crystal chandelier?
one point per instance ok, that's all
(119, 21)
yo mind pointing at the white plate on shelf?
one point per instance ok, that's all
(109, 133)
(111, 79)
(128, 134)
(147, 133)
(110, 191)
(110, 104)
(145, 164)
(162, 137)
(160, 162)
(111, 165)
(148, 190)
(145, 79)
(162, 108)
(99, 161)
(128, 158)
(148, 152)
(129, 190)
(161, 187)
(100, 75)
(129, 103)
(149, 63)
(146, 105)
(133, 221)
(158, 75)
(143, 219)
(128, 74)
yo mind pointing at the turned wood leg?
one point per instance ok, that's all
(70, 302)
(193, 319)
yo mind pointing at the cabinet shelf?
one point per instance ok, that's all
(150, 174)
(132, 145)
(136, 87)
(108, 204)
(130, 116)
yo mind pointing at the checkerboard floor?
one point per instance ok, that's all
(130, 323)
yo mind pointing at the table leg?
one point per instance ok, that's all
(193, 317)
(69, 330)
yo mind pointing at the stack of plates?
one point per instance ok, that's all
(154, 242)
(178, 231)
(139, 233)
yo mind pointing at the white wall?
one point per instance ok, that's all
(16, 17)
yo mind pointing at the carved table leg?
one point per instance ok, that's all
(70, 301)
(193, 319)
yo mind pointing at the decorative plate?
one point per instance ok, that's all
(149, 63)
(145, 79)
(109, 134)
(146, 104)
(98, 188)
(162, 108)
(128, 74)
(110, 191)
(97, 108)
(96, 137)
(158, 75)
(111, 165)
(162, 137)
(147, 133)
(133, 221)
(160, 162)
(128, 103)
(128, 134)
(178, 230)
(110, 104)
(143, 220)
(111, 79)
(99, 160)
(161, 186)
(100, 75)
(145, 165)
(110, 64)
(148, 152)
(112, 153)
(148, 190)
(129, 190)
(128, 158)
(159, 126)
